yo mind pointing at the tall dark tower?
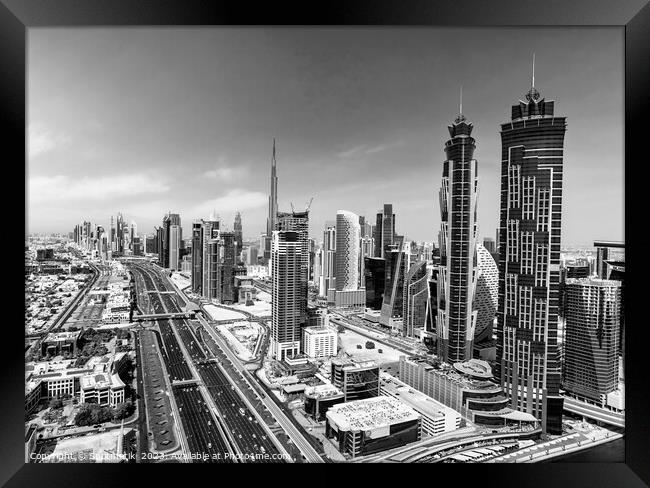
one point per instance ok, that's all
(456, 320)
(299, 222)
(271, 220)
(529, 267)
(197, 256)
(239, 240)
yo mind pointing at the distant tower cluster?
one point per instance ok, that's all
(116, 239)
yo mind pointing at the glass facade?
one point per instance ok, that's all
(529, 247)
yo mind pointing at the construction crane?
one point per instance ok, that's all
(309, 204)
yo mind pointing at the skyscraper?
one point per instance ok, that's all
(530, 226)
(210, 257)
(299, 222)
(375, 280)
(239, 240)
(271, 220)
(175, 238)
(456, 320)
(384, 234)
(396, 267)
(591, 338)
(376, 234)
(366, 250)
(347, 260)
(610, 265)
(197, 256)
(490, 245)
(328, 280)
(286, 294)
(166, 253)
(226, 268)
(486, 296)
(416, 296)
(347, 250)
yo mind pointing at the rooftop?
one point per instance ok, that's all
(360, 361)
(449, 372)
(62, 336)
(413, 398)
(100, 380)
(370, 413)
(319, 330)
(322, 391)
(476, 368)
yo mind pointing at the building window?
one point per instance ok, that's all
(528, 190)
(513, 186)
(511, 294)
(513, 240)
(526, 253)
(541, 264)
(543, 209)
(525, 306)
(539, 319)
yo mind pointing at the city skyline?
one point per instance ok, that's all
(83, 156)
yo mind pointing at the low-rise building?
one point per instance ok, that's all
(319, 398)
(50, 379)
(58, 343)
(465, 387)
(357, 377)
(371, 425)
(319, 342)
(436, 417)
(101, 388)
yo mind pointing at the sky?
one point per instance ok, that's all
(144, 121)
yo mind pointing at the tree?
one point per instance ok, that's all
(56, 403)
(83, 416)
(123, 410)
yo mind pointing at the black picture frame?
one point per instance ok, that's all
(16, 16)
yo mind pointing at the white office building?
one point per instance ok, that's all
(319, 342)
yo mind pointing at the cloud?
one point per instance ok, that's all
(225, 171)
(364, 149)
(41, 140)
(355, 151)
(235, 200)
(58, 189)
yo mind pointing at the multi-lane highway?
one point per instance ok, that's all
(202, 436)
(205, 441)
(286, 424)
(214, 413)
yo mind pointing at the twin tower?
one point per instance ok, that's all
(529, 255)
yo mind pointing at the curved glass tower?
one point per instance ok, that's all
(456, 319)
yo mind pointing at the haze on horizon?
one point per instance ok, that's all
(148, 120)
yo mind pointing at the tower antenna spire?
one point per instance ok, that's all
(461, 100)
(532, 83)
(274, 151)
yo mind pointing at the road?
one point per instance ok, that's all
(214, 404)
(287, 425)
(200, 429)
